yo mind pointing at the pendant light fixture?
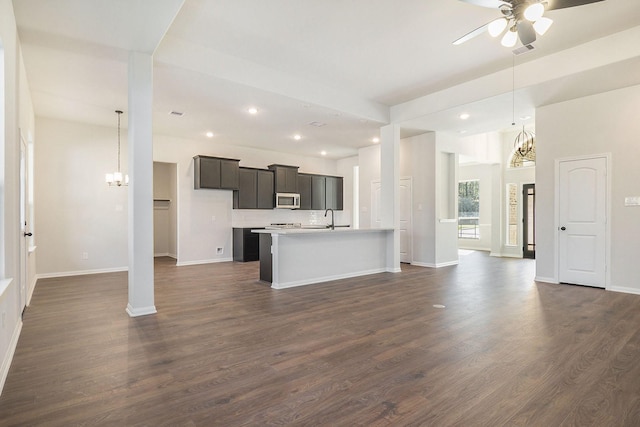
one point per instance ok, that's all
(525, 140)
(115, 178)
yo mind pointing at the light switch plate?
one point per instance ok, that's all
(632, 201)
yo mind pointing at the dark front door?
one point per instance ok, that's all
(529, 221)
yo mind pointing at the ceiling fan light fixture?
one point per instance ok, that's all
(534, 11)
(497, 26)
(542, 25)
(510, 38)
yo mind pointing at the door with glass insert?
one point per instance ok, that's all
(528, 221)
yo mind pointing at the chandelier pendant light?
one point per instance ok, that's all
(115, 179)
(525, 140)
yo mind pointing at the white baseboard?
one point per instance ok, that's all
(546, 280)
(32, 288)
(501, 255)
(625, 290)
(159, 255)
(327, 278)
(203, 261)
(394, 270)
(141, 311)
(80, 272)
(8, 356)
(430, 265)
(4, 285)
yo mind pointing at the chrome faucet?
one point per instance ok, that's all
(333, 225)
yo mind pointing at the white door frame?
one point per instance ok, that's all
(409, 180)
(375, 212)
(24, 219)
(556, 208)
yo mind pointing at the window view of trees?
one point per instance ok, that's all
(469, 209)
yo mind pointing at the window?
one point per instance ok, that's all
(519, 161)
(469, 209)
(512, 214)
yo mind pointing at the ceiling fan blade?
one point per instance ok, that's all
(471, 34)
(563, 4)
(492, 4)
(526, 32)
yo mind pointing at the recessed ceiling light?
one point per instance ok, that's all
(462, 132)
(525, 117)
(252, 110)
(323, 153)
(297, 137)
(209, 134)
(376, 140)
(464, 116)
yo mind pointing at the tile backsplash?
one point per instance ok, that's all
(260, 217)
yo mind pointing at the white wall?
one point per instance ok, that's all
(16, 111)
(369, 169)
(76, 212)
(434, 242)
(418, 161)
(484, 174)
(81, 214)
(603, 123)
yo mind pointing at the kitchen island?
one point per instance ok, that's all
(296, 257)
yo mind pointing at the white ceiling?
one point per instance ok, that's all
(342, 63)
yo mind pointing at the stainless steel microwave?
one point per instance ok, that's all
(287, 201)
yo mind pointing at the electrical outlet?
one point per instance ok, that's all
(85, 255)
(219, 251)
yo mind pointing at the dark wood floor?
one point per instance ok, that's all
(373, 351)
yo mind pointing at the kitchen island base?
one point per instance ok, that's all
(291, 258)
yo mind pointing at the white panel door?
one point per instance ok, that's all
(376, 210)
(405, 215)
(405, 220)
(582, 222)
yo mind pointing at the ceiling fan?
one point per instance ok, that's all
(521, 18)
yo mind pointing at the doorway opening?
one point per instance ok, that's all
(165, 210)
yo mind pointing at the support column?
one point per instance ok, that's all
(390, 191)
(140, 150)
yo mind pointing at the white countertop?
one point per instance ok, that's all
(338, 230)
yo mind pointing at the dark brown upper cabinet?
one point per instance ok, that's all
(333, 193)
(215, 173)
(318, 192)
(304, 188)
(286, 178)
(255, 189)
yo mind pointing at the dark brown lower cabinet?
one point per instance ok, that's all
(246, 245)
(266, 267)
